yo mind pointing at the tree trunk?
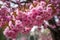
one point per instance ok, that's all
(55, 33)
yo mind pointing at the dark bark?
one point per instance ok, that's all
(56, 31)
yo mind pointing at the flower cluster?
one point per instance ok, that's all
(22, 22)
(4, 16)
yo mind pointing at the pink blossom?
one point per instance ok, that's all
(42, 3)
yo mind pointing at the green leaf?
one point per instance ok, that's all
(1, 35)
